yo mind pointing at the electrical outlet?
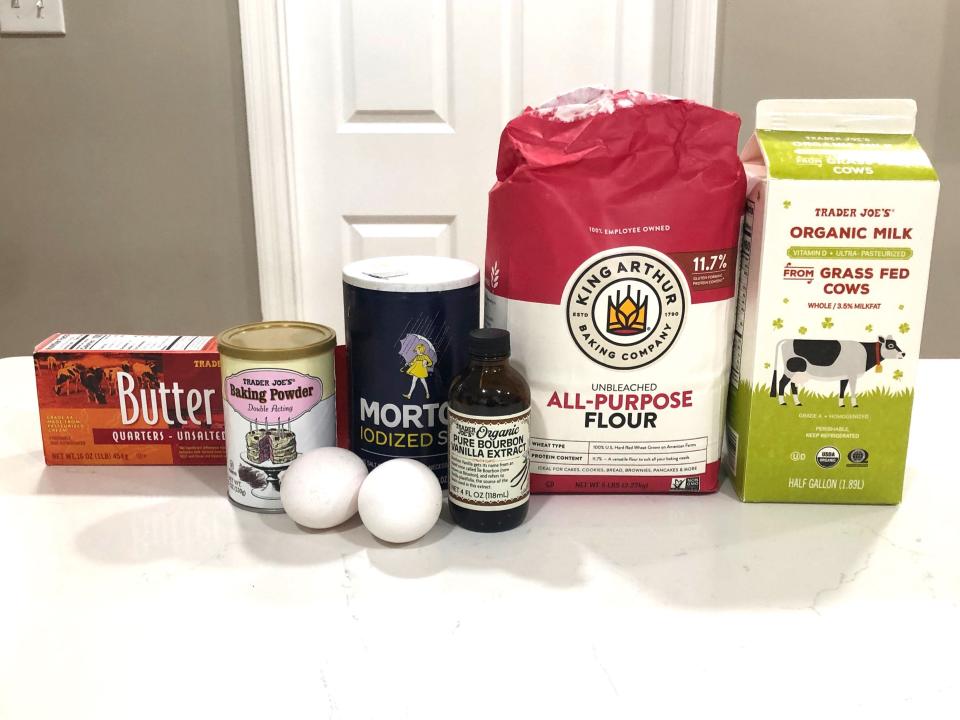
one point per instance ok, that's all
(32, 17)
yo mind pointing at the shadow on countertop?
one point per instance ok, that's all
(133, 480)
(697, 552)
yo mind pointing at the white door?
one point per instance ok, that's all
(389, 112)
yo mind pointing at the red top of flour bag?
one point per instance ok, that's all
(601, 170)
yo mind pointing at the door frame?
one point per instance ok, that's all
(263, 43)
(263, 40)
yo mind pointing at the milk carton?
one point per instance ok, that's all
(841, 203)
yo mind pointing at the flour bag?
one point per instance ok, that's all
(611, 259)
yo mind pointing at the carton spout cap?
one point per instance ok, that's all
(882, 116)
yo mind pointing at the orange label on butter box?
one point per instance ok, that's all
(130, 400)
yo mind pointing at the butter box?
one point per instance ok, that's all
(130, 400)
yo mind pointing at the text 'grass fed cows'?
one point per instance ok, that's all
(833, 276)
(611, 253)
(130, 400)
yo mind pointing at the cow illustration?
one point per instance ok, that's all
(843, 360)
(92, 381)
(110, 378)
(68, 378)
(144, 373)
(73, 376)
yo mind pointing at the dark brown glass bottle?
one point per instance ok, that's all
(489, 437)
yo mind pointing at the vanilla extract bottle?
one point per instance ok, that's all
(489, 437)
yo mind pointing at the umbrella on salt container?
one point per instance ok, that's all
(408, 349)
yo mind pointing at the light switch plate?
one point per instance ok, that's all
(32, 17)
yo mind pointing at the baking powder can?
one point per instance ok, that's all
(279, 402)
(407, 320)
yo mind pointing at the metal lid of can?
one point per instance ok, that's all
(276, 340)
(411, 273)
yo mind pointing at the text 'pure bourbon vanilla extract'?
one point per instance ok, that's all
(489, 423)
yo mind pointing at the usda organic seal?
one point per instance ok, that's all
(828, 457)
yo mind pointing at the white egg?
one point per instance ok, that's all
(400, 500)
(320, 488)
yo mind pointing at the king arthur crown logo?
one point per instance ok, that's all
(626, 317)
(625, 308)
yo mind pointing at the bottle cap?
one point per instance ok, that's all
(489, 343)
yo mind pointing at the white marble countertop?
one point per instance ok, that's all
(142, 593)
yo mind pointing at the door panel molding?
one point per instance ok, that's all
(374, 99)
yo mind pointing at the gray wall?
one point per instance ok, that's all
(862, 48)
(124, 176)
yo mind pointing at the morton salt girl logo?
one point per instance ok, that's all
(419, 359)
(625, 310)
(414, 425)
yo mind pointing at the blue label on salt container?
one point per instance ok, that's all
(403, 350)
